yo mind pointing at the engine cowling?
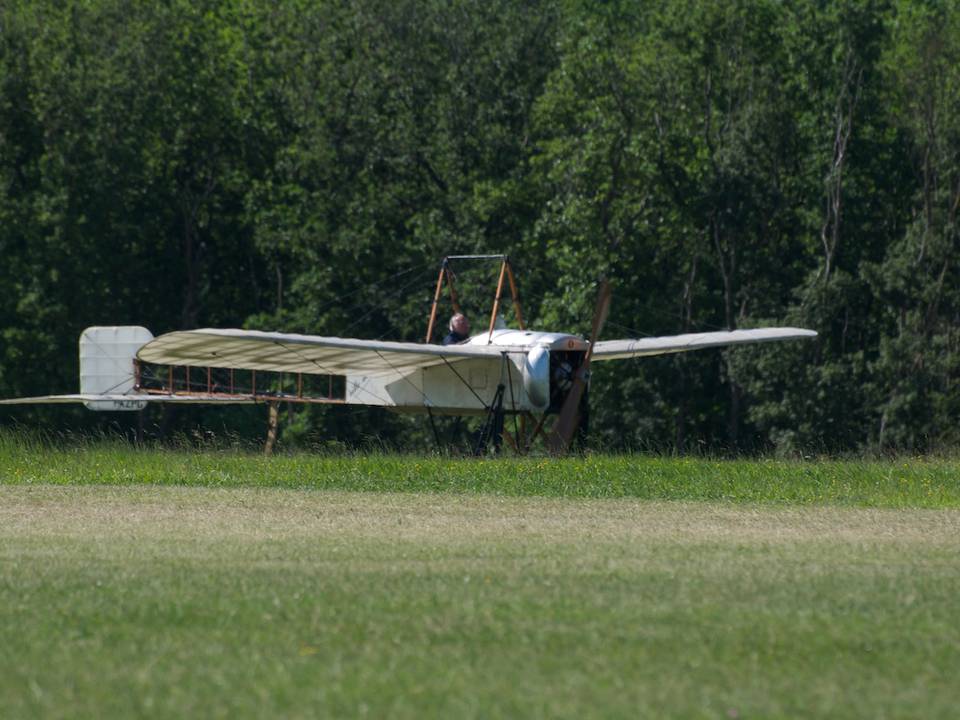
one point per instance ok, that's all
(536, 377)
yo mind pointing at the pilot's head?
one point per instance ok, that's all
(460, 325)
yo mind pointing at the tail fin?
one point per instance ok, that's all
(107, 364)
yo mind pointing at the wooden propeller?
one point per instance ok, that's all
(568, 421)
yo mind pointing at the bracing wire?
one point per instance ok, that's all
(327, 371)
(391, 294)
(341, 297)
(468, 385)
(406, 376)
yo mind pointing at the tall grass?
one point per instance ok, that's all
(904, 482)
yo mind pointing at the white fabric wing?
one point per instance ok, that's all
(294, 353)
(644, 347)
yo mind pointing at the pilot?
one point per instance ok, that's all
(459, 330)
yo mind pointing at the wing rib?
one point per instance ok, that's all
(289, 352)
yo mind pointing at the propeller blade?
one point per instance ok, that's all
(569, 419)
(600, 313)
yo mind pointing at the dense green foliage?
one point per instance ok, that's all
(303, 166)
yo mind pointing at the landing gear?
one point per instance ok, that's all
(492, 430)
(583, 430)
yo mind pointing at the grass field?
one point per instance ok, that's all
(906, 482)
(168, 584)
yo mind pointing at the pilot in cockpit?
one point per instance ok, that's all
(459, 330)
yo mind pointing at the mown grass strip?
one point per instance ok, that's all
(929, 483)
(171, 602)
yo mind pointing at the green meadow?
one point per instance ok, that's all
(159, 583)
(904, 482)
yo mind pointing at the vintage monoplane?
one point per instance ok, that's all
(502, 371)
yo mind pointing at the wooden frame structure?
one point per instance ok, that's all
(506, 272)
(174, 380)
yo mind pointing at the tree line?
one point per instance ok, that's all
(303, 166)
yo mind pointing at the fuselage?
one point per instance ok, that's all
(530, 339)
(534, 368)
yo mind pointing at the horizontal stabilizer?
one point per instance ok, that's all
(132, 401)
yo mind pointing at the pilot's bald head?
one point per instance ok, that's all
(460, 325)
